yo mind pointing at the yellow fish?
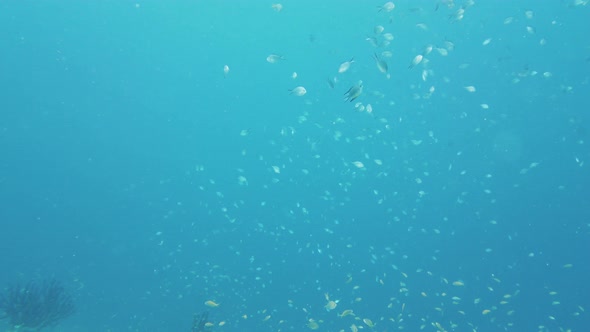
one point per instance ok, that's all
(211, 304)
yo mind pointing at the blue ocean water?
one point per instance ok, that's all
(451, 195)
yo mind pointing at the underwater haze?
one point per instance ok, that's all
(345, 165)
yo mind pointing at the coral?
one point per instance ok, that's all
(35, 305)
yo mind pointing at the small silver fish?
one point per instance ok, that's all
(388, 6)
(274, 58)
(345, 65)
(354, 92)
(298, 91)
(381, 65)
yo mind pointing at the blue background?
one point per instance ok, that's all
(122, 143)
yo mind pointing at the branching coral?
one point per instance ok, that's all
(35, 305)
